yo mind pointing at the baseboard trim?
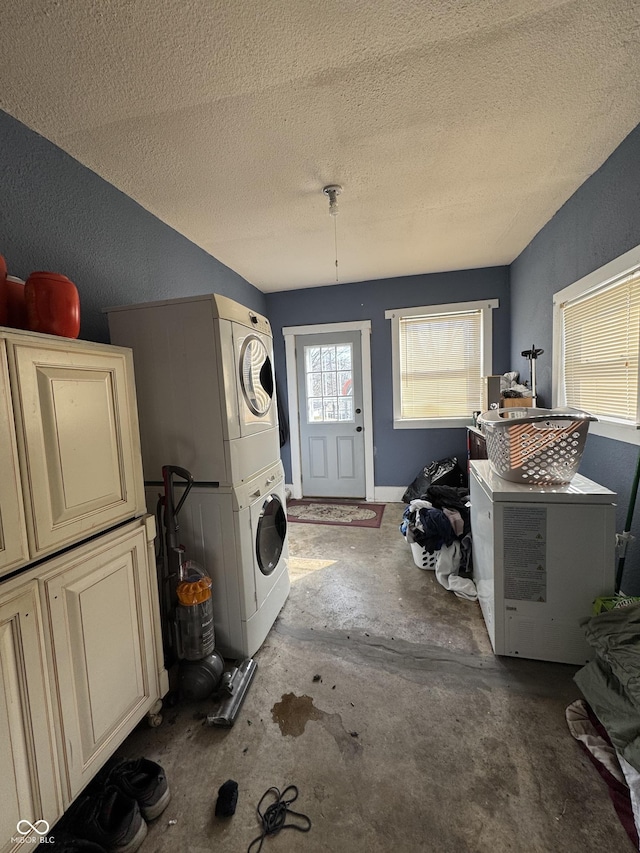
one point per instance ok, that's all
(389, 494)
(383, 494)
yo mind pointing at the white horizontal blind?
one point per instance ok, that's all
(440, 365)
(601, 332)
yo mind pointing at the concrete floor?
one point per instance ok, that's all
(415, 737)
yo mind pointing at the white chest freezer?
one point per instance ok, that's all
(541, 555)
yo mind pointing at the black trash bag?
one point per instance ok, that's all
(444, 472)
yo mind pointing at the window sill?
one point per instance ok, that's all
(434, 423)
(617, 432)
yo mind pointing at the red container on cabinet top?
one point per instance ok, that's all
(16, 308)
(53, 304)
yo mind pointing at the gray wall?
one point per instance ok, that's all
(598, 223)
(57, 215)
(399, 454)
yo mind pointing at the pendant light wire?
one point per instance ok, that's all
(332, 191)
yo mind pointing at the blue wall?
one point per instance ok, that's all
(400, 453)
(57, 215)
(597, 224)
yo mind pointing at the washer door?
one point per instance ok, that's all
(271, 534)
(256, 376)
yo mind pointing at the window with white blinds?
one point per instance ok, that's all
(440, 354)
(601, 346)
(440, 365)
(597, 347)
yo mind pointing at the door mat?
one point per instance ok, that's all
(339, 513)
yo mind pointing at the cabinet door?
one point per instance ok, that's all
(103, 650)
(29, 791)
(78, 439)
(13, 536)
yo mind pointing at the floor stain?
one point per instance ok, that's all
(292, 713)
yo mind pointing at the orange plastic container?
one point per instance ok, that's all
(16, 308)
(52, 304)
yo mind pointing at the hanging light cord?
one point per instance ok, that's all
(332, 191)
(274, 816)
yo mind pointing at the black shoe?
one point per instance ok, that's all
(110, 819)
(144, 781)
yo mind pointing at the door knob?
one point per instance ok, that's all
(358, 411)
(358, 429)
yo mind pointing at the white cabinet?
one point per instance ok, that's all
(14, 550)
(29, 787)
(77, 436)
(81, 658)
(100, 601)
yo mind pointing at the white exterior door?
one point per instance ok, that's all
(331, 422)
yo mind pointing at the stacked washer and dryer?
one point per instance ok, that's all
(206, 402)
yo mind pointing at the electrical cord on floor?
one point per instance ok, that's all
(274, 816)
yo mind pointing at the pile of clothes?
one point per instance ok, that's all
(510, 385)
(608, 723)
(437, 526)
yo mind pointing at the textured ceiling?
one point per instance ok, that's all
(456, 127)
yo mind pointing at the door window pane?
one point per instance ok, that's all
(330, 409)
(314, 410)
(329, 378)
(345, 388)
(345, 409)
(329, 385)
(314, 385)
(328, 358)
(343, 357)
(312, 358)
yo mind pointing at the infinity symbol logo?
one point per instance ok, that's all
(40, 826)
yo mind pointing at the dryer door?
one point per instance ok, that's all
(256, 387)
(271, 534)
(256, 376)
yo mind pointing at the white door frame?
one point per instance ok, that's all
(290, 333)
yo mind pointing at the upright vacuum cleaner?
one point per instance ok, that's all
(170, 557)
(230, 696)
(187, 619)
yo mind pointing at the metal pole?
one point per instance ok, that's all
(624, 539)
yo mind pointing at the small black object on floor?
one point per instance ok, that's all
(227, 799)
